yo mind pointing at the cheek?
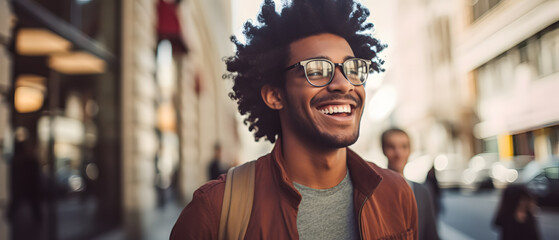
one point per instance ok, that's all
(299, 89)
(361, 93)
(390, 153)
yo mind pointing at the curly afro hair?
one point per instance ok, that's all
(262, 60)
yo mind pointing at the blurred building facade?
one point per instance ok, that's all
(121, 115)
(509, 51)
(5, 85)
(433, 104)
(478, 76)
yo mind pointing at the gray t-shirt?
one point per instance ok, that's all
(327, 213)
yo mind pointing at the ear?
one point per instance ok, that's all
(272, 96)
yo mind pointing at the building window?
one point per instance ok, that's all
(440, 30)
(523, 144)
(549, 52)
(538, 54)
(480, 7)
(490, 145)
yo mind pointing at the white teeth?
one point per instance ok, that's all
(336, 109)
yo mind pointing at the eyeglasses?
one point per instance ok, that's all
(320, 72)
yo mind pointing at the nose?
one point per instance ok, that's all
(339, 82)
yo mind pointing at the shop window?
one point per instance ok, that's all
(67, 99)
(554, 141)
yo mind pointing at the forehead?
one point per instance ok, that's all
(330, 46)
(396, 137)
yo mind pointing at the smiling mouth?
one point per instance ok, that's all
(336, 109)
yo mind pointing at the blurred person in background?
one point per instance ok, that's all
(64, 176)
(515, 217)
(396, 147)
(26, 182)
(435, 190)
(216, 167)
(299, 78)
(166, 161)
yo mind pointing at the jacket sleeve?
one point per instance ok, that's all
(200, 218)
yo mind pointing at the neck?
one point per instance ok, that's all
(313, 167)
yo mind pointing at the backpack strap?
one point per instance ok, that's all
(237, 202)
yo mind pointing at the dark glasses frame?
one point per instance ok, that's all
(334, 65)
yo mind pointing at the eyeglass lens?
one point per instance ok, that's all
(319, 72)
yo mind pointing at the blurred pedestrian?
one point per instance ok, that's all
(300, 81)
(515, 217)
(160, 183)
(216, 165)
(435, 190)
(26, 182)
(166, 162)
(396, 147)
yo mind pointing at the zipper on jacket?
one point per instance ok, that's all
(360, 212)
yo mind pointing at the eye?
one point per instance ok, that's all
(314, 73)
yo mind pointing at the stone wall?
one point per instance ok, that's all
(139, 140)
(207, 114)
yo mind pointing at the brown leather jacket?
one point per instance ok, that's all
(384, 203)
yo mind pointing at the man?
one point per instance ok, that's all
(300, 80)
(215, 169)
(396, 147)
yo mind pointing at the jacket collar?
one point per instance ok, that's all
(364, 178)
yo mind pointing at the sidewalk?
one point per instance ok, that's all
(164, 220)
(160, 225)
(447, 232)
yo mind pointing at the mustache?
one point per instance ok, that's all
(336, 96)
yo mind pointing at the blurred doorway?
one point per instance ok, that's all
(66, 120)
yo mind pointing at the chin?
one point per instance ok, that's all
(336, 141)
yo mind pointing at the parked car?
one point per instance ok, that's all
(418, 166)
(449, 168)
(507, 171)
(478, 174)
(542, 179)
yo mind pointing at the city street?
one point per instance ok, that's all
(114, 113)
(469, 216)
(466, 216)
